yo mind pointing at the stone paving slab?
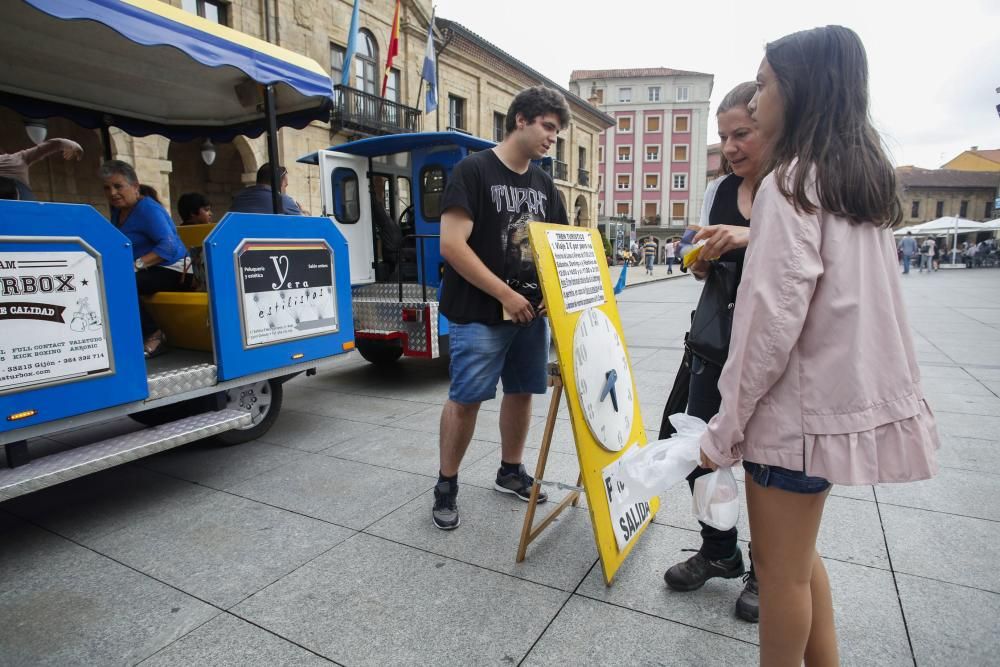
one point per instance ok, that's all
(312, 433)
(63, 604)
(343, 492)
(370, 601)
(971, 454)
(428, 420)
(369, 409)
(220, 548)
(400, 449)
(955, 549)
(219, 466)
(489, 534)
(631, 638)
(227, 641)
(949, 625)
(962, 492)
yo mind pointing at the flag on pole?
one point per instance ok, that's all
(620, 285)
(352, 45)
(429, 73)
(393, 48)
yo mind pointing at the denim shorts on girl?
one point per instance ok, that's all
(795, 481)
(482, 354)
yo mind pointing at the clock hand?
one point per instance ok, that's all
(611, 377)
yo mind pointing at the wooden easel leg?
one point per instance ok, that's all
(528, 534)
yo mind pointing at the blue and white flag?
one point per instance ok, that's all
(352, 44)
(429, 73)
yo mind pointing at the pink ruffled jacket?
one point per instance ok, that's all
(822, 375)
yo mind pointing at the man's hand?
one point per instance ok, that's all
(71, 150)
(700, 269)
(720, 239)
(518, 307)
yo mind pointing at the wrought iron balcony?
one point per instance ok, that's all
(562, 169)
(583, 177)
(363, 112)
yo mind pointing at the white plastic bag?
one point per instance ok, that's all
(651, 470)
(716, 499)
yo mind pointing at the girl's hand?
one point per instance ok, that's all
(707, 462)
(720, 239)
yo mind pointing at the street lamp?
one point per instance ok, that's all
(208, 152)
(37, 129)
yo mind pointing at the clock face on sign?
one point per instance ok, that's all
(603, 379)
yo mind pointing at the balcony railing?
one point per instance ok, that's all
(561, 170)
(370, 114)
(583, 177)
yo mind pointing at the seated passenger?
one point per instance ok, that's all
(15, 165)
(161, 260)
(257, 198)
(194, 209)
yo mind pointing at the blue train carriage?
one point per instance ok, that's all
(275, 299)
(384, 194)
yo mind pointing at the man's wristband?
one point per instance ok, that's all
(139, 264)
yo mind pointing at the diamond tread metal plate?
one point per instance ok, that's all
(180, 380)
(84, 460)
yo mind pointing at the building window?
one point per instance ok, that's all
(624, 94)
(599, 95)
(678, 211)
(624, 182)
(456, 112)
(600, 208)
(653, 123)
(366, 65)
(392, 86)
(988, 211)
(963, 209)
(336, 63)
(652, 153)
(939, 209)
(651, 182)
(581, 158)
(499, 126)
(682, 94)
(623, 208)
(207, 9)
(600, 182)
(654, 93)
(560, 149)
(681, 153)
(600, 153)
(624, 153)
(682, 123)
(680, 181)
(650, 211)
(915, 209)
(625, 124)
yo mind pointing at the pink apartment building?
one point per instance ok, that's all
(652, 164)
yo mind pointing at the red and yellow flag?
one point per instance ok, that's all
(392, 49)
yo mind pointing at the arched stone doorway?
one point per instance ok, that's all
(218, 182)
(581, 212)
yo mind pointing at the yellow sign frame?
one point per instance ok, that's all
(593, 458)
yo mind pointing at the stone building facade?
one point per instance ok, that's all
(928, 194)
(468, 67)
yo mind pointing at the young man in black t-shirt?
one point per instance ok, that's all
(490, 292)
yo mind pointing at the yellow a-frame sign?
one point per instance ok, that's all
(597, 378)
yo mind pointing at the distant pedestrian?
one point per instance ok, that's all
(927, 254)
(669, 249)
(908, 248)
(649, 252)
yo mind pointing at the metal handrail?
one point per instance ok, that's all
(420, 260)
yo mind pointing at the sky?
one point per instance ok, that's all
(934, 74)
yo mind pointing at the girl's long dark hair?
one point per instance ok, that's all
(823, 78)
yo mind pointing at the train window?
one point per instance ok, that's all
(346, 195)
(432, 182)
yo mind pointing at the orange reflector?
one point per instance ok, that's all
(24, 414)
(298, 355)
(349, 345)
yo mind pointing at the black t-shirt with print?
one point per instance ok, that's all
(501, 203)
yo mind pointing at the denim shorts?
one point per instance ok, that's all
(795, 481)
(482, 354)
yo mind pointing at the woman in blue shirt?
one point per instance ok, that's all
(161, 260)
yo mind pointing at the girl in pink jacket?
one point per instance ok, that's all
(822, 385)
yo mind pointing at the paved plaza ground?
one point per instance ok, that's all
(315, 545)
